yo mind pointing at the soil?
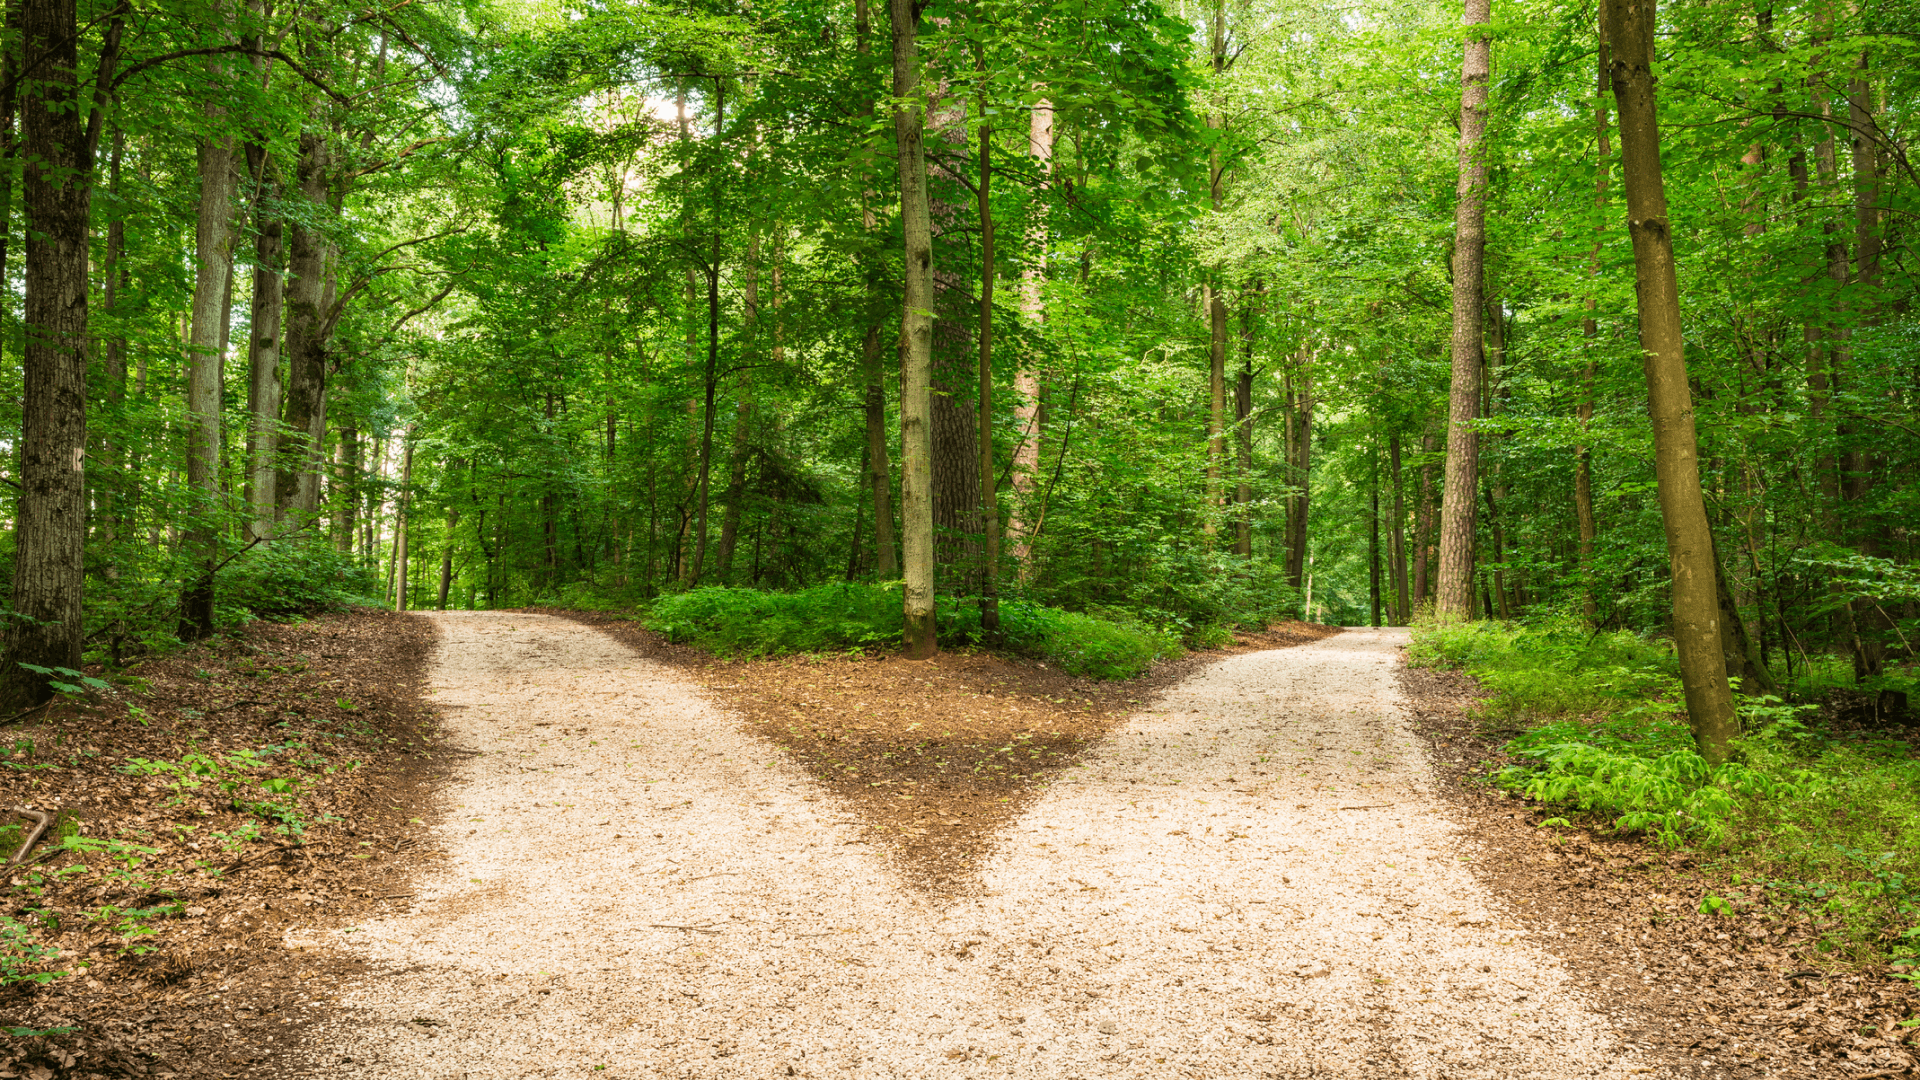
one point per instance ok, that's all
(227, 976)
(937, 758)
(1745, 994)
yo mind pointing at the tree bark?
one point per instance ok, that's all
(346, 488)
(1425, 557)
(916, 337)
(989, 502)
(1696, 630)
(1033, 304)
(742, 416)
(1243, 439)
(1583, 412)
(712, 380)
(886, 562)
(1211, 298)
(263, 347)
(212, 264)
(1397, 537)
(296, 487)
(400, 514)
(50, 520)
(1457, 510)
(1298, 436)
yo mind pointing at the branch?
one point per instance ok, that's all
(247, 50)
(423, 308)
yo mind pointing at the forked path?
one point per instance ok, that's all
(1250, 880)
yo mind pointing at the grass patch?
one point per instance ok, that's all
(1828, 820)
(858, 617)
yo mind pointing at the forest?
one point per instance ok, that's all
(1178, 318)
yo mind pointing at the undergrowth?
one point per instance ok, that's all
(1830, 820)
(861, 616)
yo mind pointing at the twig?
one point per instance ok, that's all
(673, 926)
(1374, 806)
(24, 713)
(42, 819)
(237, 704)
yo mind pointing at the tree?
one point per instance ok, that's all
(1457, 502)
(1696, 630)
(916, 336)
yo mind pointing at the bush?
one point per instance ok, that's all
(860, 616)
(1831, 822)
(278, 581)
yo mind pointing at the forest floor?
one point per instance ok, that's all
(617, 857)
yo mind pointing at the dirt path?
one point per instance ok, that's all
(1250, 879)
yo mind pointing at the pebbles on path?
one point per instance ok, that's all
(1250, 878)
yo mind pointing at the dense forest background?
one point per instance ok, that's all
(481, 305)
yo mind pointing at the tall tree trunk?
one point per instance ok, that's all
(1457, 510)
(989, 497)
(1243, 439)
(1299, 452)
(742, 416)
(1033, 304)
(346, 485)
(303, 414)
(263, 347)
(886, 563)
(1583, 412)
(50, 520)
(916, 337)
(712, 380)
(1373, 535)
(401, 512)
(446, 553)
(213, 262)
(9, 149)
(1872, 626)
(1397, 537)
(1210, 296)
(114, 501)
(1696, 631)
(1425, 557)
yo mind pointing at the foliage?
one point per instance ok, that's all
(1830, 820)
(23, 958)
(859, 616)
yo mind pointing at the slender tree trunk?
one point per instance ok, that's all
(1215, 302)
(1373, 536)
(742, 417)
(50, 520)
(1583, 412)
(1033, 304)
(916, 337)
(1425, 556)
(263, 347)
(403, 505)
(1872, 624)
(1243, 439)
(1457, 511)
(1696, 631)
(1397, 537)
(346, 486)
(446, 554)
(213, 263)
(886, 563)
(1299, 451)
(712, 380)
(989, 497)
(114, 498)
(304, 342)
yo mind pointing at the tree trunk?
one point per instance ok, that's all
(446, 553)
(1397, 537)
(916, 338)
(400, 514)
(1425, 557)
(1457, 510)
(346, 486)
(1033, 304)
(115, 504)
(212, 264)
(49, 573)
(1872, 624)
(1583, 412)
(263, 347)
(1373, 536)
(1696, 631)
(886, 562)
(1299, 450)
(742, 416)
(296, 489)
(712, 380)
(1215, 303)
(1243, 439)
(989, 501)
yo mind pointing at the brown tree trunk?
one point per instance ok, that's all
(212, 263)
(1425, 557)
(916, 337)
(1871, 622)
(304, 412)
(1696, 630)
(1457, 511)
(1243, 439)
(1298, 436)
(1583, 412)
(742, 416)
(400, 515)
(263, 347)
(989, 501)
(50, 520)
(956, 434)
(346, 489)
(1033, 304)
(886, 562)
(1397, 537)
(1215, 303)
(446, 553)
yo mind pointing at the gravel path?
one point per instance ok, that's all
(1252, 878)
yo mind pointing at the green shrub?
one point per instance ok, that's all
(278, 581)
(860, 616)
(1830, 821)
